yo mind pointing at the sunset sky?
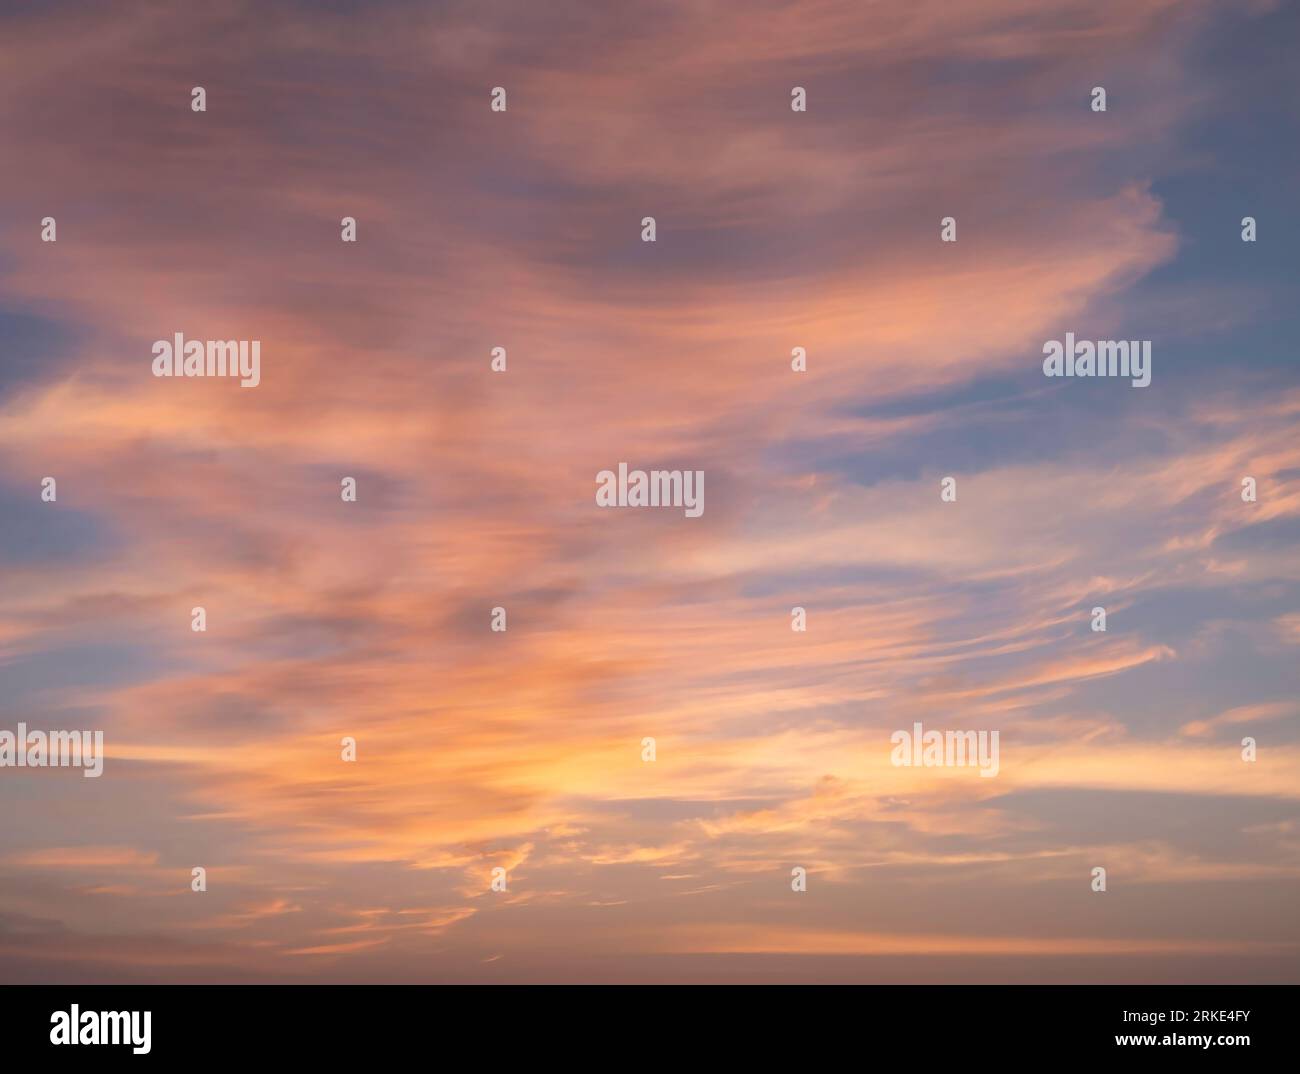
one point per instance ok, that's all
(775, 229)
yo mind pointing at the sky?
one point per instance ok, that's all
(522, 750)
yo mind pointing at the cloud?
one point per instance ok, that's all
(521, 749)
